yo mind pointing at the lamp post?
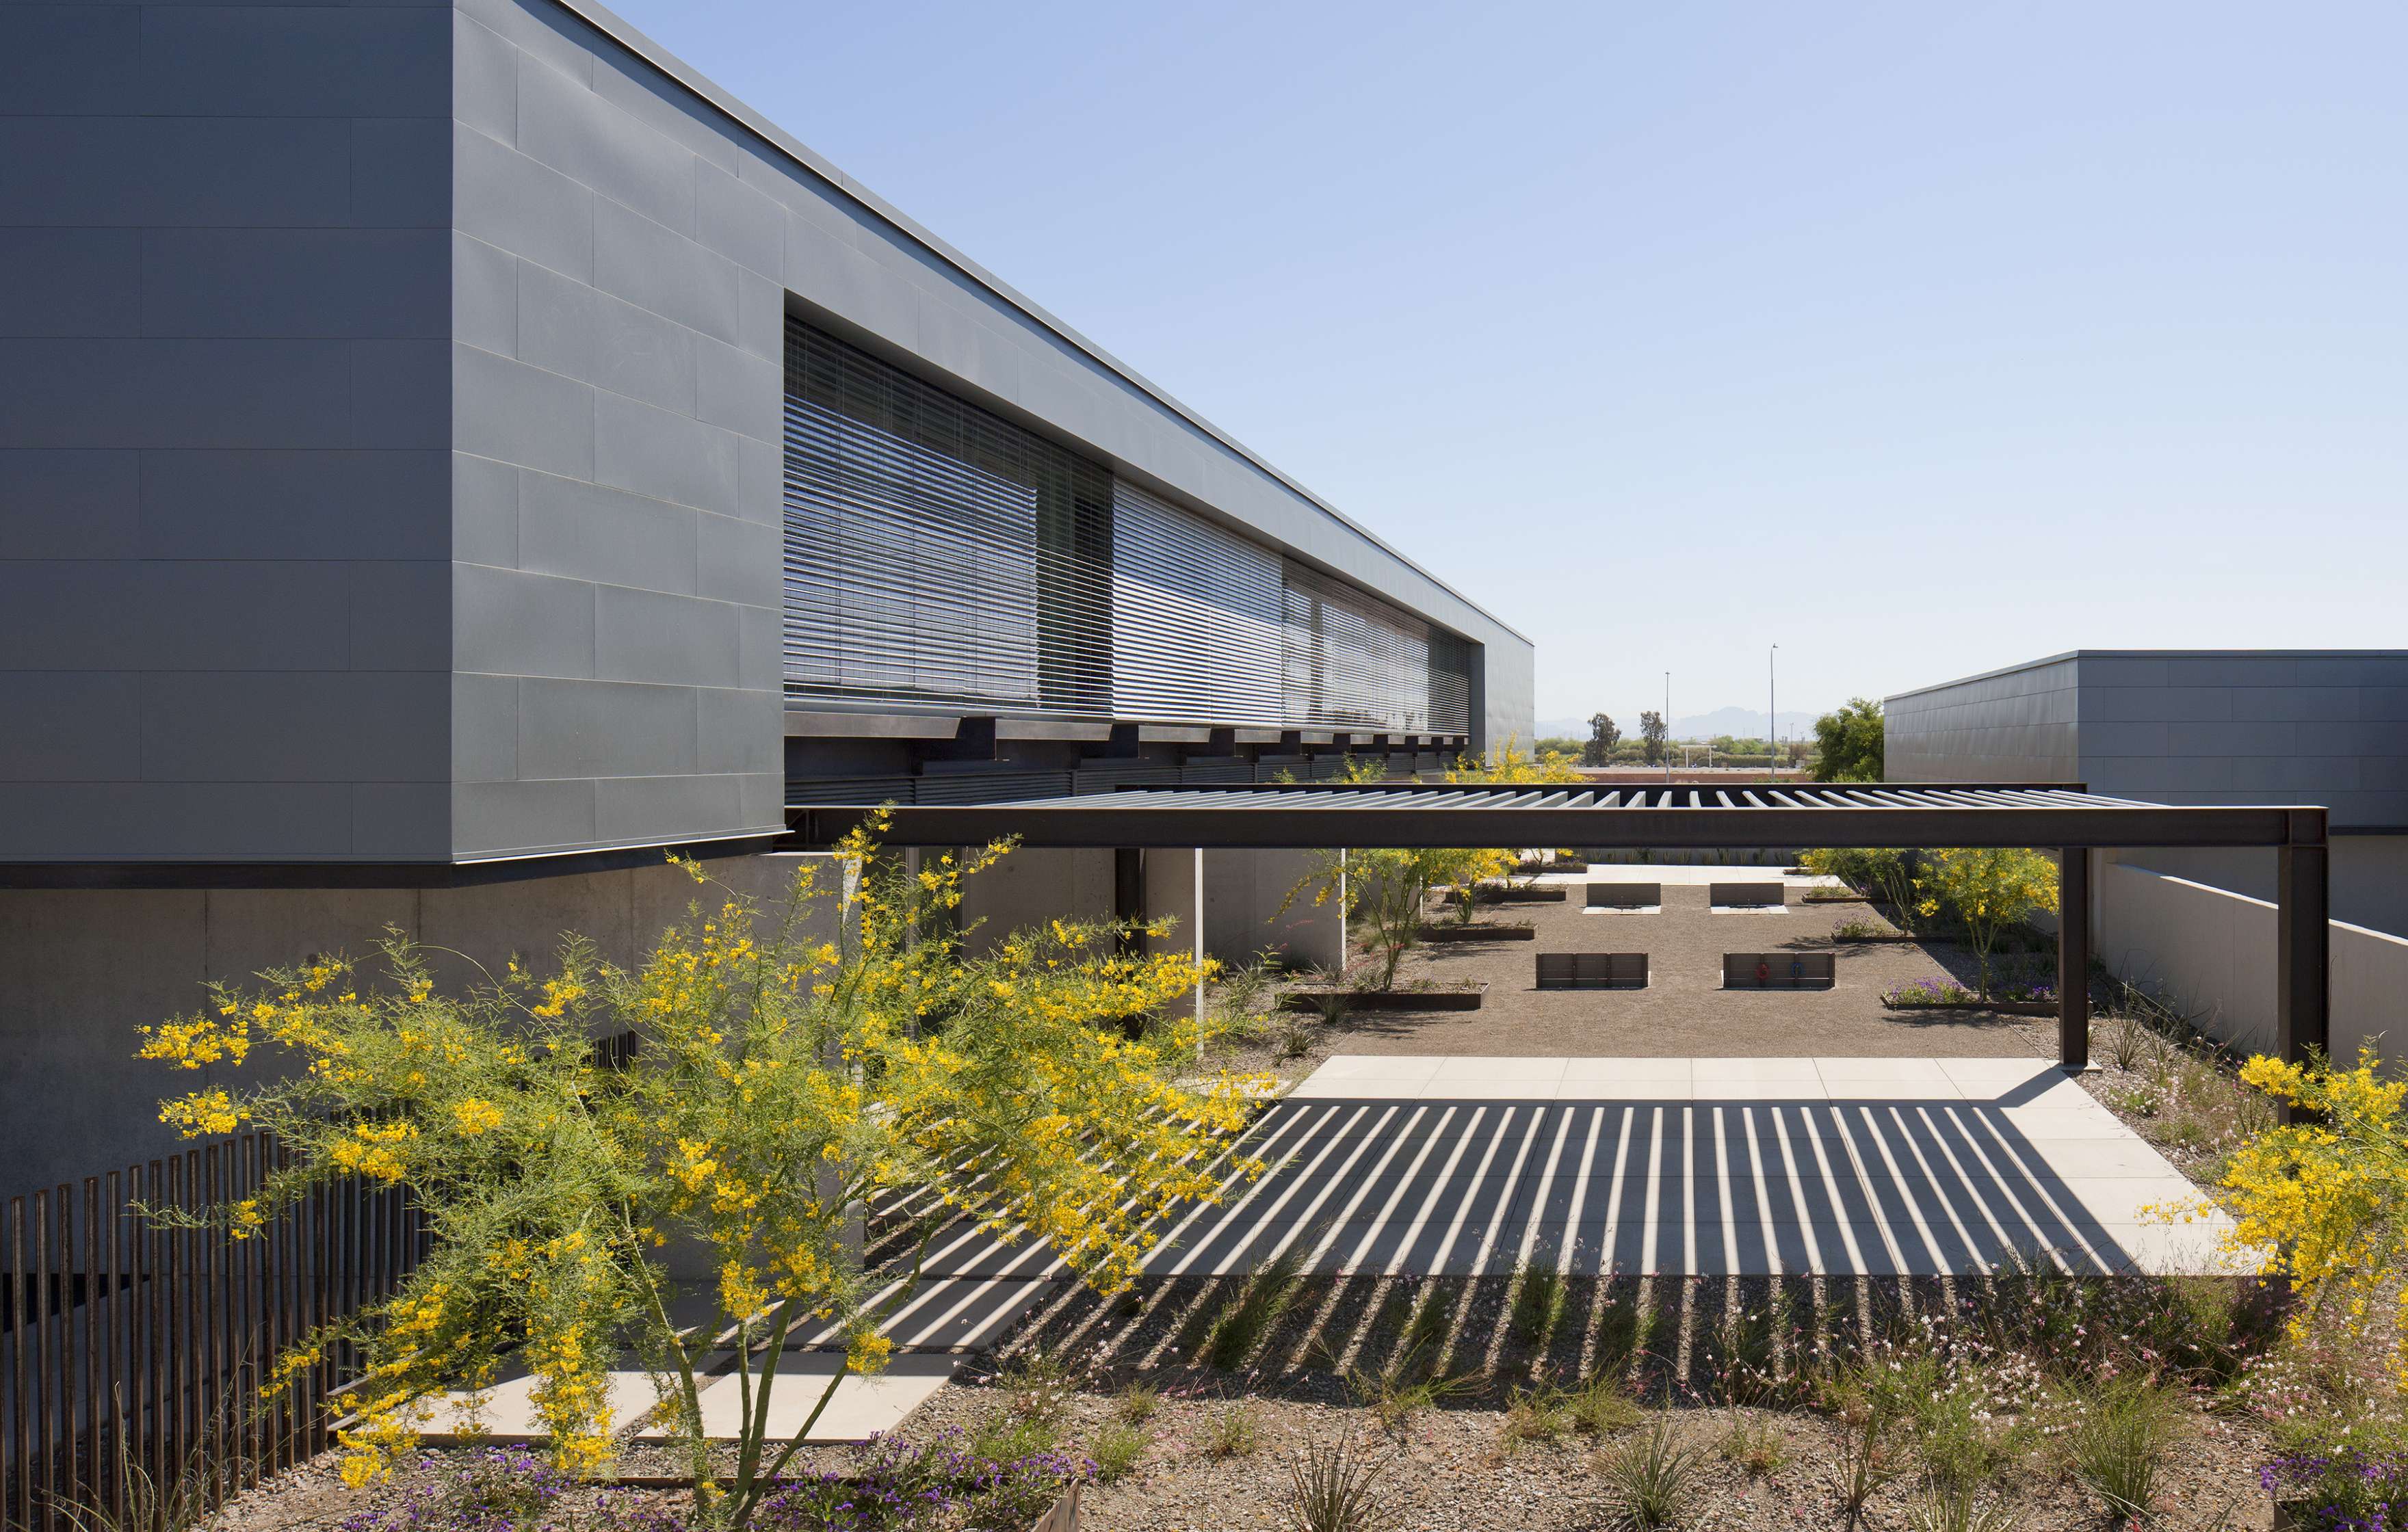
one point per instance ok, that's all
(1668, 725)
(1772, 718)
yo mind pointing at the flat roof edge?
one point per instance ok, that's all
(2158, 654)
(633, 40)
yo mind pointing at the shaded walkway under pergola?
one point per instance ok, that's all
(2060, 818)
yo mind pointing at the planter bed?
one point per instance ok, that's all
(1479, 933)
(1429, 1000)
(2004, 1007)
(1816, 896)
(1893, 939)
(1522, 896)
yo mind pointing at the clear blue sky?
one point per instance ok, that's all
(1920, 339)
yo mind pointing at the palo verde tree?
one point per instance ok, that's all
(787, 1066)
(1986, 889)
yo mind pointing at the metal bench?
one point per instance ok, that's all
(1624, 895)
(1747, 895)
(1779, 971)
(1592, 971)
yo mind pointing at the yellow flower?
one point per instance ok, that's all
(476, 1115)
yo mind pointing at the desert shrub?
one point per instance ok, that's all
(1233, 1431)
(1651, 1479)
(2119, 1443)
(551, 1169)
(1334, 1488)
(1115, 1449)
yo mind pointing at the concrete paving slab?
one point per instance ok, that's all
(860, 1406)
(1916, 1166)
(507, 1412)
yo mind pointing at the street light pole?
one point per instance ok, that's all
(1771, 717)
(1668, 725)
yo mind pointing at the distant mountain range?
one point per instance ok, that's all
(1738, 723)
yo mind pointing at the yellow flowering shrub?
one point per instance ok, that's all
(2323, 1202)
(777, 1069)
(1987, 888)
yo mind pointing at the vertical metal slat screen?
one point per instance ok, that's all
(1195, 617)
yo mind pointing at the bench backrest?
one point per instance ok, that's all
(1624, 895)
(1592, 971)
(1748, 894)
(1779, 971)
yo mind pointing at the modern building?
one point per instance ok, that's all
(2326, 727)
(451, 453)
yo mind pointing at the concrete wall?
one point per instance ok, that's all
(1243, 891)
(1035, 884)
(2211, 953)
(224, 405)
(81, 969)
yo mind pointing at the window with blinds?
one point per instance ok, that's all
(934, 553)
(1195, 617)
(938, 554)
(1349, 660)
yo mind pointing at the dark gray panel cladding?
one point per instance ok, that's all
(616, 524)
(224, 410)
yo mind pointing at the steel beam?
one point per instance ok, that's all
(2074, 958)
(1312, 821)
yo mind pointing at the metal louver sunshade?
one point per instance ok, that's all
(1324, 814)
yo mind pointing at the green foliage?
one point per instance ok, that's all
(1334, 1488)
(1849, 742)
(1233, 1431)
(1603, 735)
(1115, 1449)
(1962, 1511)
(1006, 1436)
(1986, 889)
(1538, 1303)
(1880, 873)
(1652, 732)
(1259, 1304)
(1600, 1408)
(1138, 1403)
(2120, 1442)
(1755, 1443)
(1539, 1413)
(1650, 1479)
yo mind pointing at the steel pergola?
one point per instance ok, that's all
(2048, 816)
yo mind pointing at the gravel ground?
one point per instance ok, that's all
(1683, 1012)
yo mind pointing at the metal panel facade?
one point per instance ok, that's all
(390, 403)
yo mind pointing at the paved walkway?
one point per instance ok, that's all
(1473, 1166)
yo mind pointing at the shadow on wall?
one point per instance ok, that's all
(2210, 955)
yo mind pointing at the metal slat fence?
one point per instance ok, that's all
(134, 1352)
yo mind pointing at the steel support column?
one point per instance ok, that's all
(2074, 958)
(1128, 896)
(2304, 940)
